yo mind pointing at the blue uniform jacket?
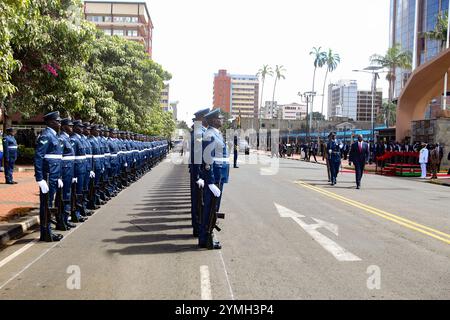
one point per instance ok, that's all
(48, 156)
(216, 163)
(10, 148)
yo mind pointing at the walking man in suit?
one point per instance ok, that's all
(359, 156)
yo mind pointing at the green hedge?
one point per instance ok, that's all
(26, 155)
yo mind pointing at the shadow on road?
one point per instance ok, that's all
(161, 223)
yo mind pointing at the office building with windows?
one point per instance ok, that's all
(236, 94)
(130, 20)
(407, 29)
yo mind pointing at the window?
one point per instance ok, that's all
(107, 31)
(118, 32)
(132, 33)
(107, 18)
(95, 18)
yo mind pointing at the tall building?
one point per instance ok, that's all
(364, 111)
(165, 97)
(236, 94)
(174, 108)
(346, 101)
(403, 31)
(130, 20)
(269, 110)
(343, 99)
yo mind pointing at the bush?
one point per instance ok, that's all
(26, 155)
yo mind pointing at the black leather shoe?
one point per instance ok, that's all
(214, 246)
(62, 227)
(71, 225)
(51, 237)
(82, 219)
(195, 234)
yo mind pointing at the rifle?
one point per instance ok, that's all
(60, 209)
(91, 195)
(47, 214)
(73, 203)
(213, 216)
(199, 205)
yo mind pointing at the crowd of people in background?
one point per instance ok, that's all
(311, 150)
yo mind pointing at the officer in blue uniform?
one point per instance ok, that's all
(98, 165)
(215, 168)
(10, 150)
(90, 174)
(197, 183)
(47, 165)
(334, 148)
(79, 168)
(114, 161)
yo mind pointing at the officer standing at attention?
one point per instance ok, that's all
(79, 166)
(216, 169)
(197, 183)
(47, 165)
(68, 177)
(10, 154)
(334, 148)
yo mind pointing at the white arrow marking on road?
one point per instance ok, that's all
(332, 247)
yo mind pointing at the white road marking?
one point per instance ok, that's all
(226, 275)
(205, 283)
(329, 245)
(18, 252)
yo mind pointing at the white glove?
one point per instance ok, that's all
(92, 174)
(330, 151)
(74, 180)
(134, 160)
(43, 186)
(60, 183)
(214, 190)
(126, 164)
(201, 183)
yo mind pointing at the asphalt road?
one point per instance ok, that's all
(287, 235)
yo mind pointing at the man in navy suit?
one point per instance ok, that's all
(359, 156)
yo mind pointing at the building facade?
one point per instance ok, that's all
(130, 20)
(292, 111)
(403, 27)
(343, 99)
(269, 110)
(364, 109)
(236, 94)
(165, 97)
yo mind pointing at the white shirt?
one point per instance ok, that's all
(424, 153)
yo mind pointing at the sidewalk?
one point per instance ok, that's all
(19, 205)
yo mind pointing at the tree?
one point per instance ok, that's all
(182, 125)
(440, 30)
(394, 58)
(331, 60)
(316, 115)
(266, 70)
(388, 113)
(279, 70)
(319, 62)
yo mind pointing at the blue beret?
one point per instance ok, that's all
(215, 114)
(78, 123)
(52, 116)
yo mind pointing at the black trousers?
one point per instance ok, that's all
(359, 171)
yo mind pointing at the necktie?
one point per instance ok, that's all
(360, 147)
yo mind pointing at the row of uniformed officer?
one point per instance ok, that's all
(209, 172)
(87, 164)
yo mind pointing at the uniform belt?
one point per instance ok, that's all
(221, 160)
(80, 157)
(53, 156)
(68, 158)
(114, 155)
(107, 154)
(99, 156)
(13, 147)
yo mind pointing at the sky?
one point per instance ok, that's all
(194, 39)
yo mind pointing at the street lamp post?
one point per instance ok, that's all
(307, 97)
(374, 70)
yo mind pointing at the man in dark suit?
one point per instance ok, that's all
(359, 156)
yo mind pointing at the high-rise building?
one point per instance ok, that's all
(403, 27)
(236, 94)
(130, 20)
(174, 109)
(364, 111)
(343, 99)
(269, 110)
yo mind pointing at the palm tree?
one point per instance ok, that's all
(319, 62)
(440, 30)
(332, 61)
(394, 58)
(279, 70)
(388, 113)
(266, 70)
